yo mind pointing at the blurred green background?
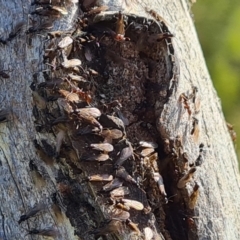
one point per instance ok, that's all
(218, 27)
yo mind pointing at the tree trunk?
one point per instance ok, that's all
(164, 96)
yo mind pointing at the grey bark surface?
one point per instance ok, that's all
(217, 209)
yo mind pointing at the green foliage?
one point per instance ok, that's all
(217, 24)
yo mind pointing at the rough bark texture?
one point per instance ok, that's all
(158, 104)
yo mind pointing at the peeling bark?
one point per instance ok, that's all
(185, 187)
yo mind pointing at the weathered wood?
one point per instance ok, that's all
(31, 174)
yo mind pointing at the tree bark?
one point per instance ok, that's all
(167, 97)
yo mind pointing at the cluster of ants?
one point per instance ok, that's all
(73, 91)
